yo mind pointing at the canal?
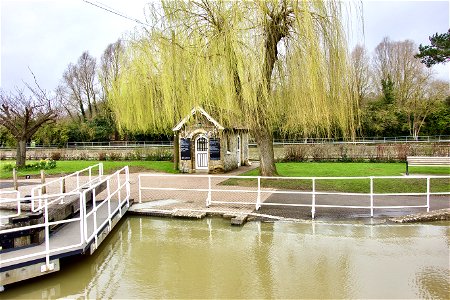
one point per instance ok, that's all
(170, 258)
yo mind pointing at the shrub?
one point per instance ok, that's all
(318, 152)
(159, 155)
(138, 154)
(102, 156)
(55, 155)
(129, 156)
(114, 156)
(83, 156)
(343, 154)
(296, 153)
(401, 150)
(43, 164)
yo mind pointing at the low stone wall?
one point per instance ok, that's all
(302, 152)
(147, 153)
(355, 152)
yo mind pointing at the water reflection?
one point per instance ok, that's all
(162, 258)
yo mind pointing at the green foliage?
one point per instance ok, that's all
(438, 52)
(52, 134)
(6, 138)
(381, 119)
(67, 167)
(43, 164)
(438, 123)
(215, 55)
(312, 169)
(387, 86)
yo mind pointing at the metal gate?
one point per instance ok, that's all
(201, 153)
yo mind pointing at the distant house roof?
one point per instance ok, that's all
(204, 113)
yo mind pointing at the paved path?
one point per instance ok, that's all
(193, 200)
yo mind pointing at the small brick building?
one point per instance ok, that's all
(204, 145)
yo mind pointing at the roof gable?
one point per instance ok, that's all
(201, 111)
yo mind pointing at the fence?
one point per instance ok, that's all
(75, 181)
(111, 145)
(364, 140)
(91, 219)
(260, 191)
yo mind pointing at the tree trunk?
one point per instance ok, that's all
(264, 140)
(21, 153)
(176, 151)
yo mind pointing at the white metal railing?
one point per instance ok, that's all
(308, 140)
(82, 179)
(209, 189)
(16, 199)
(123, 185)
(119, 194)
(48, 200)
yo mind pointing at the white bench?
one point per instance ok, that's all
(427, 161)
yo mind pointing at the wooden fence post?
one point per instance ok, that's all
(44, 190)
(16, 184)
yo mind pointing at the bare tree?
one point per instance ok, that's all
(22, 115)
(79, 87)
(395, 60)
(110, 66)
(361, 72)
(423, 103)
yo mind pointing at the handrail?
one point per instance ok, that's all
(107, 200)
(61, 181)
(313, 192)
(84, 214)
(46, 225)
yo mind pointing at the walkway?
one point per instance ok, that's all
(167, 202)
(101, 202)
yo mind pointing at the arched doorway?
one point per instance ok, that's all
(201, 152)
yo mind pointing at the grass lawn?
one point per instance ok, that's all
(70, 166)
(336, 169)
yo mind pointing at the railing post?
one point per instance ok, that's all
(127, 180)
(47, 266)
(258, 197)
(40, 198)
(100, 169)
(371, 196)
(119, 194)
(83, 198)
(208, 199)
(109, 205)
(313, 205)
(428, 194)
(94, 208)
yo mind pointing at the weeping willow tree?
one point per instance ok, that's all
(275, 65)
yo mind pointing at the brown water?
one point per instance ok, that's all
(166, 258)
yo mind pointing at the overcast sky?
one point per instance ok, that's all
(47, 35)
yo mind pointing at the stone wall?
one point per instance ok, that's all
(354, 152)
